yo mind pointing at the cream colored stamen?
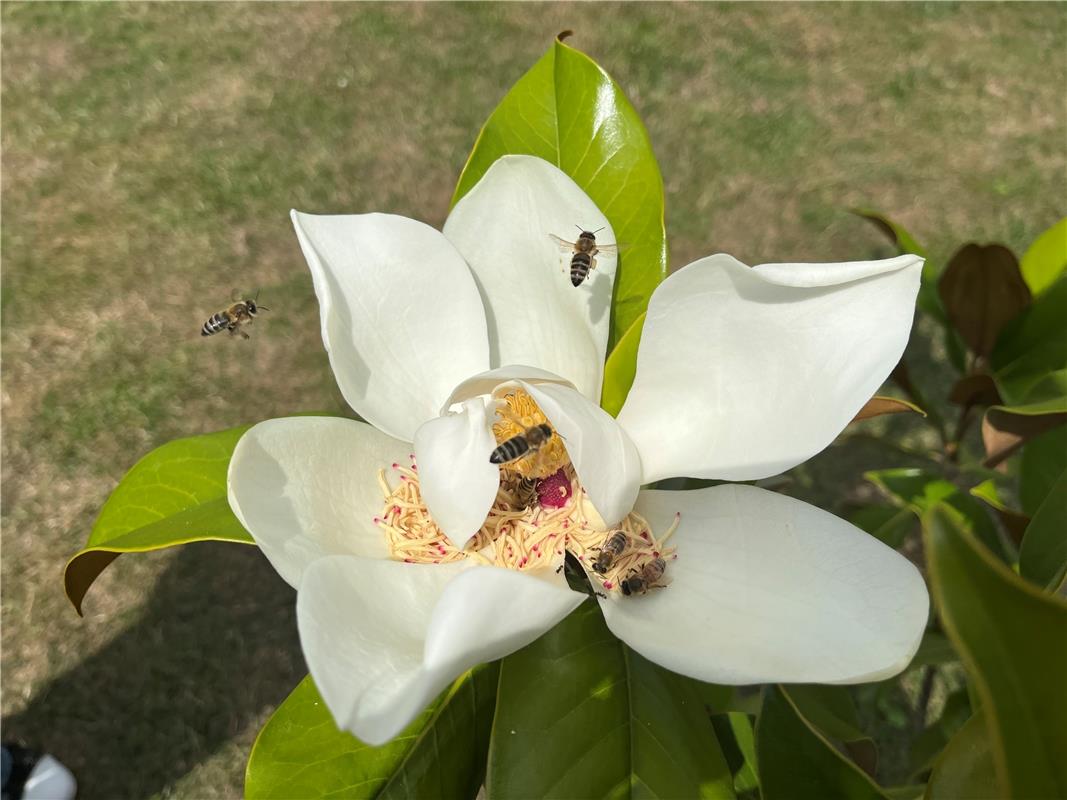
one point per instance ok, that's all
(513, 537)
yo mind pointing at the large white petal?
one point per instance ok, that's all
(502, 228)
(486, 382)
(307, 487)
(383, 638)
(605, 459)
(769, 589)
(401, 316)
(457, 481)
(745, 372)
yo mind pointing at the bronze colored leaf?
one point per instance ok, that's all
(982, 289)
(1004, 432)
(878, 405)
(975, 390)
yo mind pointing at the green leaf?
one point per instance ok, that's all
(1014, 521)
(1046, 259)
(931, 742)
(620, 369)
(300, 753)
(1013, 640)
(965, 768)
(888, 524)
(934, 649)
(919, 491)
(581, 715)
(1031, 346)
(831, 711)
(737, 739)
(797, 762)
(1043, 555)
(174, 495)
(570, 112)
(1043, 459)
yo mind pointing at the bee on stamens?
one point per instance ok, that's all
(585, 251)
(609, 552)
(529, 441)
(240, 313)
(640, 581)
(526, 492)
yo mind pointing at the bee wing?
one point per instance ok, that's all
(607, 249)
(235, 295)
(563, 243)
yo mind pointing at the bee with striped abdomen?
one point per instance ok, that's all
(640, 581)
(585, 251)
(609, 552)
(529, 441)
(240, 313)
(526, 492)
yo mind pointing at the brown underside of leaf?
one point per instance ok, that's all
(82, 570)
(975, 390)
(878, 406)
(1003, 433)
(982, 289)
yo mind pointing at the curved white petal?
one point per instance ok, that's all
(484, 383)
(503, 228)
(745, 372)
(383, 638)
(307, 487)
(768, 589)
(605, 459)
(401, 317)
(457, 481)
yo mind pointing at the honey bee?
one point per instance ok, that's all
(240, 313)
(609, 551)
(529, 441)
(585, 250)
(526, 491)
(641, 581)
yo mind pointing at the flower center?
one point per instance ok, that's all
(528, 527)
(518, 413)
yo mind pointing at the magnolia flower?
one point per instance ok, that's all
(415, 558)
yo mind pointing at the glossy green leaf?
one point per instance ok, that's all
(1032, 346)
(581, 715)
(888, 524)
(737, 738)
(1043, 555)
(1043, 460)
(1014, 521)
(965, 768)
(174, 495)
(919, 491)
(300, 753)
(567, 110)
(831, 711)
(1046, 259)
(797, 762)
(620, 369)
(1013, 641)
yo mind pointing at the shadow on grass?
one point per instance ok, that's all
(214, 651)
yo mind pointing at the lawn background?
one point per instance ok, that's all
(151, 154)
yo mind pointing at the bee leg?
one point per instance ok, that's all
(601, 595)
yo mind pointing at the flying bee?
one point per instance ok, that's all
(529, 441)
(640, 581)
(585, 251)
(240, 313)
(609, 551)
(526, 491)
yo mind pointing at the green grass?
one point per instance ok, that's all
(151, 154)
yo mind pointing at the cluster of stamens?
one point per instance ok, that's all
(520, 532)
